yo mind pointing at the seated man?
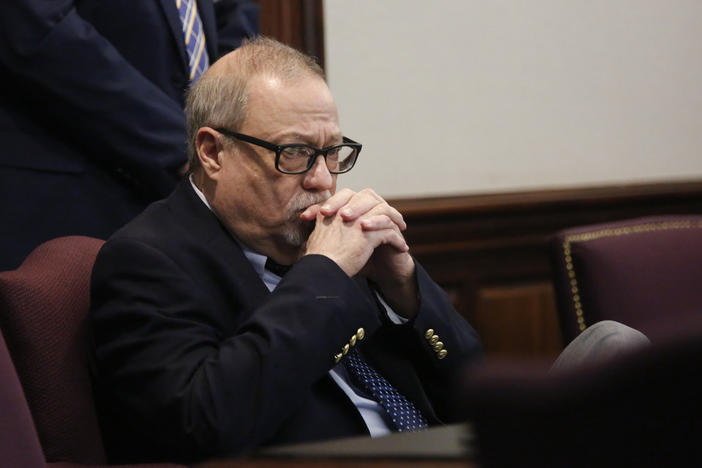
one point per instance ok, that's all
(205, 345)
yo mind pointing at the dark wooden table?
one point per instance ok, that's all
(444, 447)
(338, 463)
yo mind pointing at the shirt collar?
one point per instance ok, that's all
(200, 195)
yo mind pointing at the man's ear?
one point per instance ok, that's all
(209, 151)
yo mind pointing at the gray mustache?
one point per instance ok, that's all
(304, 200)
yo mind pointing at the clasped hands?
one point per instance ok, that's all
(362, 234)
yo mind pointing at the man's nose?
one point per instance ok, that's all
(318, 177)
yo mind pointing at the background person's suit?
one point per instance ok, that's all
(92, 127)
(195, 357)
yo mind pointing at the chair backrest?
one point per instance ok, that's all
(44, 305)
(19, 444)
(645, 273)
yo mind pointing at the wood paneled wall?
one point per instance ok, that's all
(298, 23)
(490, 252)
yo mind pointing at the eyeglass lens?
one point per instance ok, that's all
(296, 159)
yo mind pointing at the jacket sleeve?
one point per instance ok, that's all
(99, 99)
(435, 345)
(187, 386)
(446, 342)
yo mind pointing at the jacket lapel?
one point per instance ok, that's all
(209, 25)
(206, 229)
(176, 27)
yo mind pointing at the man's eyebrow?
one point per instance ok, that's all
(297, 138)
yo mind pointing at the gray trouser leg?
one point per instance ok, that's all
(599, 342)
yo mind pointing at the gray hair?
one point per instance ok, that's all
(220, 97)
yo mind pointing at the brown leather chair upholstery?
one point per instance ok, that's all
(645, 273)
(44, 306)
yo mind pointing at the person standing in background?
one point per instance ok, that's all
(91, 111)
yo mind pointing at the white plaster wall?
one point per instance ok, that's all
(467, 96)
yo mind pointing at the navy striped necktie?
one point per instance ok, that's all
(277, 268)
(194, 37)
(404, 415)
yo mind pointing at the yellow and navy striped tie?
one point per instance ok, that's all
(194, 38)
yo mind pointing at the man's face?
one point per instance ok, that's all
(259, 204)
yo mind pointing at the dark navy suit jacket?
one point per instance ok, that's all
(195, 358)
(91, 111)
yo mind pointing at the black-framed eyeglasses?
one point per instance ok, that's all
(296, 158)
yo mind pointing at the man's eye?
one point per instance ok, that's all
(296, 152)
